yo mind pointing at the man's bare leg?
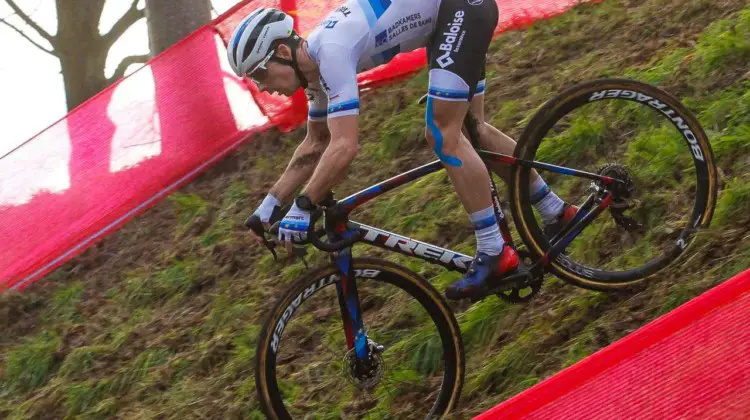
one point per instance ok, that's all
(549, 205)
(444, 120)
(465, 169)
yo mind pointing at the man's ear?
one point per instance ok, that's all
(283, 51)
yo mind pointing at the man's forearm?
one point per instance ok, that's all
(298, 171)
(331, 169)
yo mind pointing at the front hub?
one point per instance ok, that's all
(363, 374)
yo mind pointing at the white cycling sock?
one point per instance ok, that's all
(487, 231)
(546, 202)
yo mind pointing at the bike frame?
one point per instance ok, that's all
(347, 288)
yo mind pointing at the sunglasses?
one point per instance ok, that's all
(260, 72)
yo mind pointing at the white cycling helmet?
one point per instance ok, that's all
(250, 46)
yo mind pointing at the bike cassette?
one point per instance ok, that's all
(521, 287)
(622, 196)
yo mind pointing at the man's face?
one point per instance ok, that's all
(276, 78)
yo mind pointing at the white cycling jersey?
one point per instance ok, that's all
(360, 35)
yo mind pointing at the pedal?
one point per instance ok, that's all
(518, 278)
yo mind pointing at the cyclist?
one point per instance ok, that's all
(362, 34)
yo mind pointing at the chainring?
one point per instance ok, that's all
(522, 293)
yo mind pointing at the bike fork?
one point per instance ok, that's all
(351, 311)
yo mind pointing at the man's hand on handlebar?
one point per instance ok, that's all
(294, 227)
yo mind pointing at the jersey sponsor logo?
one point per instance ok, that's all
(475, 2)
(381, 38)
(450, 38)
(405, 24)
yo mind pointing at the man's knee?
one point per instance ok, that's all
(443, 119)
(449, 134)
(443, 134)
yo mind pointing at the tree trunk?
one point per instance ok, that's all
(169, 21)
(80, 49)
(185, 83)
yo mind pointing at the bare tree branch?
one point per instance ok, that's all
(20, 32)
(44, 34)
(133, 15)
(125, 63)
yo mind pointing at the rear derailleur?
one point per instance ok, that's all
(622, 196)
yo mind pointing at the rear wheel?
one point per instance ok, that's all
(627, 130)
(303, 365)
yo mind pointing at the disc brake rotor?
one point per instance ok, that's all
(364, 375)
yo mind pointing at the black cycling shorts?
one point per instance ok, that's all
(463, 32)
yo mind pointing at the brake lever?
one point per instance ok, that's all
(253, 223)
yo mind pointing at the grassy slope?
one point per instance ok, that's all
(161, 318)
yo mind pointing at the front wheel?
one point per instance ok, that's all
(303, 366)
(626, 130)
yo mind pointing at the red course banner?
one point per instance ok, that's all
(693, 363)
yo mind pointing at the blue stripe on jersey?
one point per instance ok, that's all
(379, 6)
(374, 9)
(317, 114)
(369, 13)
(448, 93)
(480, 86)
(344, 106)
